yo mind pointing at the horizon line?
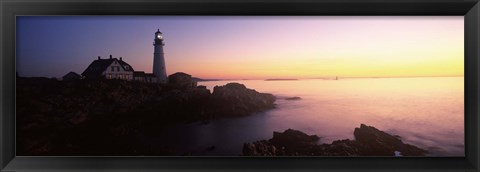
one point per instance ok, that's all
(282, 78)
(328, 77)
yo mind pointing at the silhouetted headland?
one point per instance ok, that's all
(104, 117)
(369, 141)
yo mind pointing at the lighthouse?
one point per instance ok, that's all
(159, 58)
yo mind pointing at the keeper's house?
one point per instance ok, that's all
(113, 68)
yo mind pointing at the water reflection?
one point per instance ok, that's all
(426, 112)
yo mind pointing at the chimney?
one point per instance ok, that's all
(120, 58)
(98, 57)
(110, 56)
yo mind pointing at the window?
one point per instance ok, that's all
(121, 76)
(126, 67)
(109, 76)
(113, 68)
(118, 68)
(126, 77)
(116, 76)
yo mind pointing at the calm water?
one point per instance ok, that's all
(426, 112)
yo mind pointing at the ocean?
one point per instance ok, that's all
(427, 112)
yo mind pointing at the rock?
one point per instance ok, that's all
(294, 140)
(369, 141)
(377, 143)
(344, 147)
(259, 148)
(182, 80)
(237, 100)
(290, 142)
(292, 98)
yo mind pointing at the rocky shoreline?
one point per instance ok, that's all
(104, 117)
(369, 141)
(107, 117)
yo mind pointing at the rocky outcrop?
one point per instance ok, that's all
(260, 148)
(293, 98)
(290, 142)
(294, 141)
(376, 142)
(237, 100)
(105, 117)
(182, 80)
(369, 141)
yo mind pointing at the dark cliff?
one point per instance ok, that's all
(104, 117)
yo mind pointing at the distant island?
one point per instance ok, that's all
(209, 79)
(281, 79)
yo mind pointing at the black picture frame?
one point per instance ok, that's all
(9, 9)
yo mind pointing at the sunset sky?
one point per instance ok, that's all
(247, 47)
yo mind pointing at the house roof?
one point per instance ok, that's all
(98, 66)
(123, 63)
(71, 74)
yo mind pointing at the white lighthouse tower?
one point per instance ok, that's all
(158, 58)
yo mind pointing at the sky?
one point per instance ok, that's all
(247, 47)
